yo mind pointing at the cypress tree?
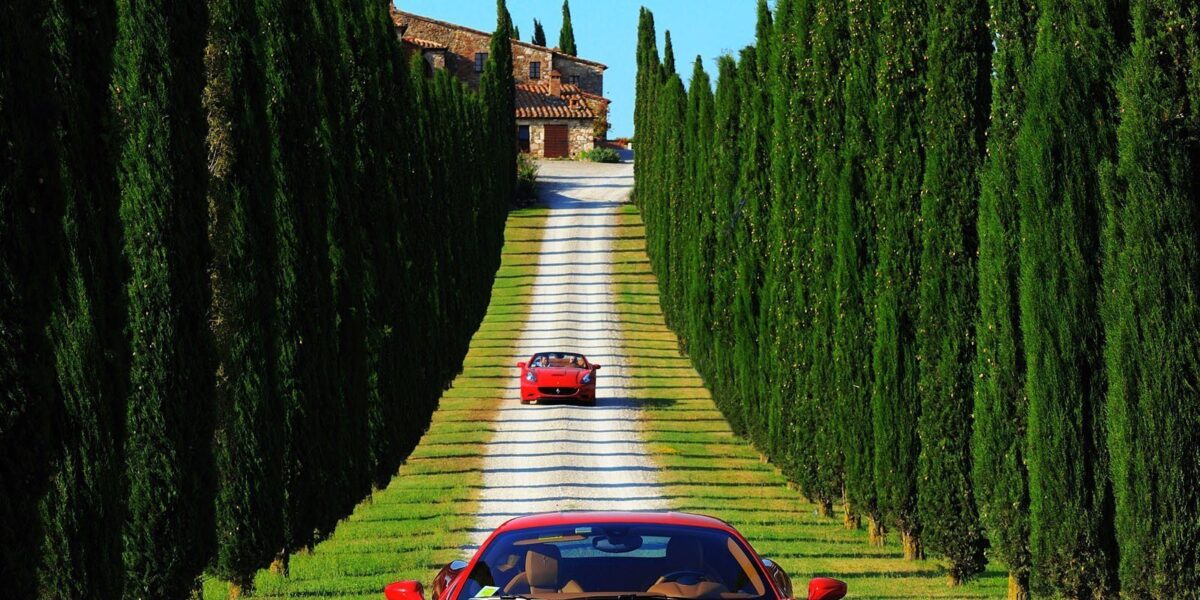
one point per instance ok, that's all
(1001, 482)
(303, 303)
(696, 212)
(854, 271)
(241, 187)
(726, 148)
(668, 55)
(498, 90)
(566, 35)
(516, 33)
(1065, 136)
(30, 238)
(896, 179)
(828, 41)
(1151, 309)
(957, 97)
(83, 510)
(157, 94)
(755, 192)
(539, 34)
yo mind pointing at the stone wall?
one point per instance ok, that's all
(590, 77)
(579, 134)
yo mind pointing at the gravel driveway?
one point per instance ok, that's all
(562, 457)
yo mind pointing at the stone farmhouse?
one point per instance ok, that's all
(561, 108)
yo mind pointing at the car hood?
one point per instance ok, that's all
(558, 375)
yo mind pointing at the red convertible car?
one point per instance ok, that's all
(614, 556)
(560, 376)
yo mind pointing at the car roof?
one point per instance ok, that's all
(584, 517)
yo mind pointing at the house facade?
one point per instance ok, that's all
(561, 109)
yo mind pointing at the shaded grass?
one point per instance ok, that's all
(424, 516)
(707, 469)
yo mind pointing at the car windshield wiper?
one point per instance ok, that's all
(628, 596)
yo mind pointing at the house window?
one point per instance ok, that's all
(480, 60)
(535, 70)
(573, 80)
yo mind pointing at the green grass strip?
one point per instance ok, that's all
(422, 519)
(707, 469)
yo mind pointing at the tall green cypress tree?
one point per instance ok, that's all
(249, 508)
(83, 511)
(649, 81)
(896, 180)
(498, 89)
(1001, 482)
(668, 55)
(157, 94)
(726, 148)
(957, 102)
(566, 35)
(755, 192)
(539, 33)
(696, 213)
(30, 242)
(1151, 308)
(828, 42)
(1065, 136)
(854, 272)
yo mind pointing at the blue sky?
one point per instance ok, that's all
(606, 31)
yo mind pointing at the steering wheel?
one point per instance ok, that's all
(694, 577)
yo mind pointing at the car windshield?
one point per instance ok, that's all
(558, 360)
(617, 559)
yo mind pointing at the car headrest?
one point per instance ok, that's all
(685, 552)
(541, 567)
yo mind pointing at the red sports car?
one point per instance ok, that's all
(614, 556)
(561, 376)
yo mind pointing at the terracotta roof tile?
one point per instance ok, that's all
(424, 44)
(534, 101)
(398, 17)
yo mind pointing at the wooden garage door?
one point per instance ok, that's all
(557, 144)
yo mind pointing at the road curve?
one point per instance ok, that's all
(563, 457)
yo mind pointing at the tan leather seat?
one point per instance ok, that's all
(685, 553)
(541, 574)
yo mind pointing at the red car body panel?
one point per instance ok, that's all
(558, 383)
(590, 517)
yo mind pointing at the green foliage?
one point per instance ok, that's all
(895, 179)
(566, 35)
(1151, 310)
(31, 206)
(1066, 134)
(600, 155)
(539, 34)
(957, 97)
(1001, 481)
(157, 84)
(83, 510)
(854, 268)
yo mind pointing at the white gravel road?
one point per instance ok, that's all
(563, 457)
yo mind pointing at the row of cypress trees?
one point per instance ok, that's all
(240, 264)
(939, 262)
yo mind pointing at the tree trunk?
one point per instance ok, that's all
(876, 533)
(1018, 587)
(912, 546)
(825, 509)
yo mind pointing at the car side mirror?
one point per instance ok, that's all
(595, 367)
(521, 365)
(404, 590)
(825, 588)
(445, 577)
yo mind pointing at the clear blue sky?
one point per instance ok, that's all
(606, 31)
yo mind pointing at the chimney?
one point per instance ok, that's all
(556, 84)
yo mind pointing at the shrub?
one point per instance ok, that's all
(527, 172)
(601, 155)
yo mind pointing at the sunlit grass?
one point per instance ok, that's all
(707, 469)
(423, 518)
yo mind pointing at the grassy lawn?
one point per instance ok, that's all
(707, 469)
(422, 519)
